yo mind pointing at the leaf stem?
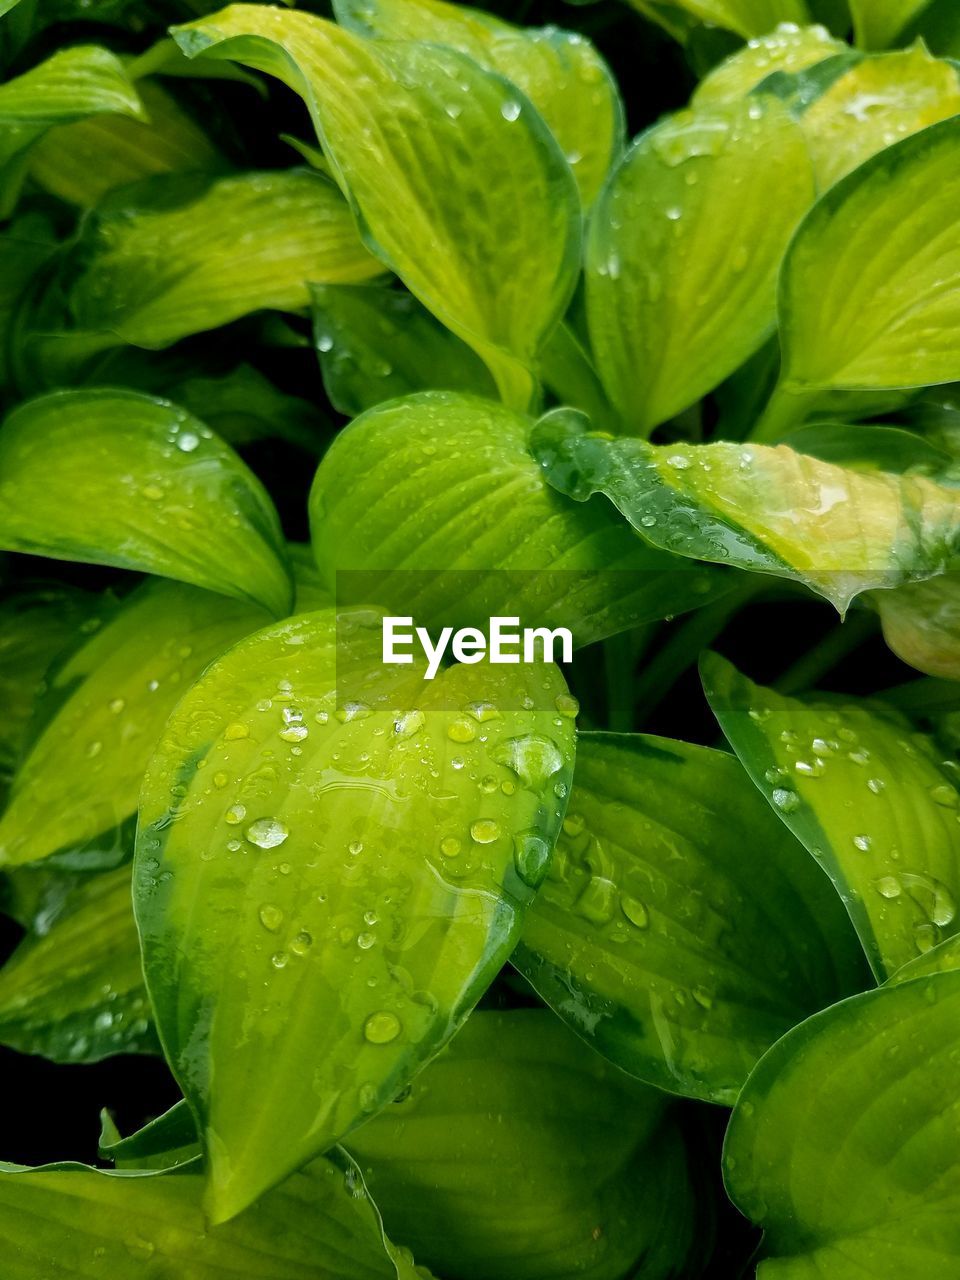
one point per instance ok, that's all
(784, 410)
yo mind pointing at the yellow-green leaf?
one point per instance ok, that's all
(788, 48)
(877, 23)
(746, 18)
(921, 624)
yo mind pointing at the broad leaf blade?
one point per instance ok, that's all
(921, 624)
(746, 18)
(877, 23)
(679, 931)
(874, 803)
(843, 1147)
(787, 49)
(323, 923)
(432, 149)
(767, 509)
(160, 493)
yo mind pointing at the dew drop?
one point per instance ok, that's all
(635, 911)
(271, 917)
(267, 833)
(863, 843)
(235, 731)
(450, 846)
(381, 1027)
(485, 831)
(461, 731)
(531, 858)
(510, 110)
(567, 705)
(786, 801)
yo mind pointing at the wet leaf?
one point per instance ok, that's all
(366, 865)
(744, 17)
(767, 509)
(787, 48)
(681, 930)
(436, 504)
(164, 1143)
(873, 802)
(520, 1152)
(560, 72)
(684, 250)
(921, 624)
(432, 149)
(112, 477)
(842, 1146)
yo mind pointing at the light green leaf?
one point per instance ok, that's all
(432, 149)
(161, 262)
(681, 930)
(921, 624)
(112, 697)
(871, 448)
(160, 493)
(870, 291)
(82, 161)
(746, 18)
(684, 250)
(164, 1143)
(843, 1144)
(375, 344)
(787, 49)
(320, 926)
(877, 23)
(70, 1220)
(518, 1152)
(873, 802)
(561, 73)
(72, 84)
(75, 992)
(436, 504)
(766, 509)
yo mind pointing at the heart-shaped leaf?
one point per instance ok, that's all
(432, 149)
(684, 250)
(873, 802)
(74, 992)
(520, 1153)
(877, 23)
(789, 48)
(561, 73)
(921, 624)
(770, 510)
(318, 926)
(159, 492)
(679, 931)
(869, 290)
(435, 503)
(843, 1144)
(76, 82)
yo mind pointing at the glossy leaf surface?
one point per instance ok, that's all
(921, 624)
(744, 17)
(787, 48)
(873, 802)
(160, 493)
(333, 861)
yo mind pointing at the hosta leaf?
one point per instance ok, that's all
(684, 250)
(159, 492)
(921, 624)
(877, 23)
(82, 161)
(943, 958)
(164, 1143)
(874, 803)
(561, 73)
(843, 1144)
(81, 778)
(71, 84)
(876, 102)
(770, 510)
(679, 931)
(744, 17)
(376, 344)
(880, 448)
(870, 287)
(788, 48)
(520, 1153)
(154, 273)
(75, 993)
(436, 503)
(317, 927)
(25, 245)
(243, 406)
(70, 1220)
(432, 149)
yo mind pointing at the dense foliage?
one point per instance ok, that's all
(311, 317)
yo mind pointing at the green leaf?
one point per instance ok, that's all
(870, 284)
(866, 447)
(873, 802)
(365, 869)
(25, 245)
(376, 344)
(746, 18)
(684, 251)
(436, 504)
(681, 930)
(72, 84)
(243, 406)
(769, 510)
(82, 161)
(878, 23)
(843, 1146)
(160, 493)
(561, 73)
(921, 624)
(520, 1153)
(75, 992)
(432, 149)
(70, 1220)
(164, 1143)
(788, 49)
(112, 697)
(161, 263)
